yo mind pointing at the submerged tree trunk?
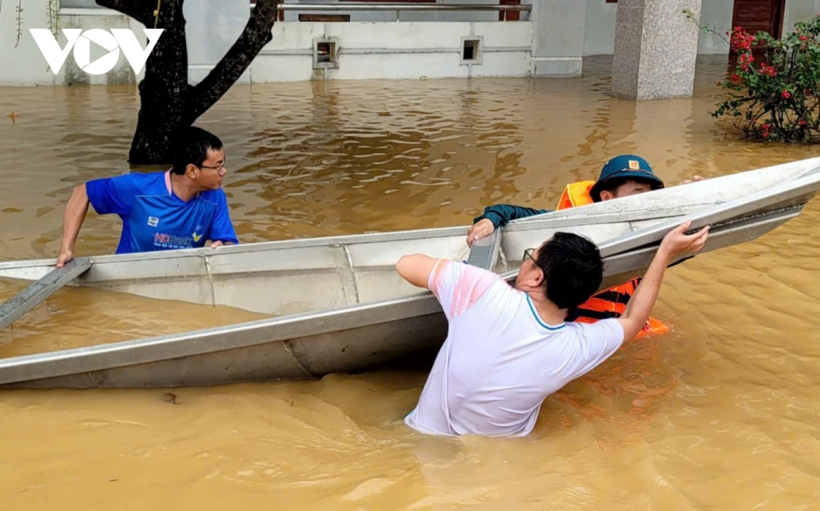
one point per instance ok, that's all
(168, 102)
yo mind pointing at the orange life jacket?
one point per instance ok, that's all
(576, 194)
(612, 302)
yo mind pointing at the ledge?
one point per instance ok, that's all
(90, 11)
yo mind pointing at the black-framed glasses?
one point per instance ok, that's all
(220, 167)
(528, 254)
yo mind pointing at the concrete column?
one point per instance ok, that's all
(212, 26)
(655, 49)
(557, 36)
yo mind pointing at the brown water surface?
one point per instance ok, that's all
(721, 413)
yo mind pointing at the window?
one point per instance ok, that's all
(325, 53)
(509, 15)
(471, 49)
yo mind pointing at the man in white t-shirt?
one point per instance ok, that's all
(507, 348)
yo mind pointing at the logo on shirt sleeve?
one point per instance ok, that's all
(153, 221)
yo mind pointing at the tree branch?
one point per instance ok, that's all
(256, 35)
(140, 10)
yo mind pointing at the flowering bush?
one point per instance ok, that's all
(773, 89)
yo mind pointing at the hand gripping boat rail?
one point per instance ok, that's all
(35, 293)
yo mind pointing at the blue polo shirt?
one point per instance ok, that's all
(153, 218)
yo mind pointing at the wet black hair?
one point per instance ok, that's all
(573, 269)
(192, 146)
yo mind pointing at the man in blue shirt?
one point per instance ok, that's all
(179, 208)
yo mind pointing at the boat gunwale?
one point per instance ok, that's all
(630, 211)
(789, 194)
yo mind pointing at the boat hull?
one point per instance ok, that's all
(301, 346)
(368, 319)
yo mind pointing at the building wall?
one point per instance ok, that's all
(25, 65)
(558, 37)
(717, 14)
(371, 16)
(409, 16)
(209, 37)
(366, 49)
(409, 50)
(799, 10)
(599, 36)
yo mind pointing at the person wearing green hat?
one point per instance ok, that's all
(621, 176)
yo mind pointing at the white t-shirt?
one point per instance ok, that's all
(500, 361)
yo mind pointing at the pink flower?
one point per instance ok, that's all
(786, 94)
(740, 40)
(768, 70)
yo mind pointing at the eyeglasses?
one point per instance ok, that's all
(528, 254)
(219, 168)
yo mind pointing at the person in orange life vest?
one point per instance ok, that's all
(621, 176)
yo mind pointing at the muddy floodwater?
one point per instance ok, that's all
(720, 413)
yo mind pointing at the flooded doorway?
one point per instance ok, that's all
(759, 16)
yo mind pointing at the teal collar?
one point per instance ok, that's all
(538, 318)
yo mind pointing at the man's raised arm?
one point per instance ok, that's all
(643, 300)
